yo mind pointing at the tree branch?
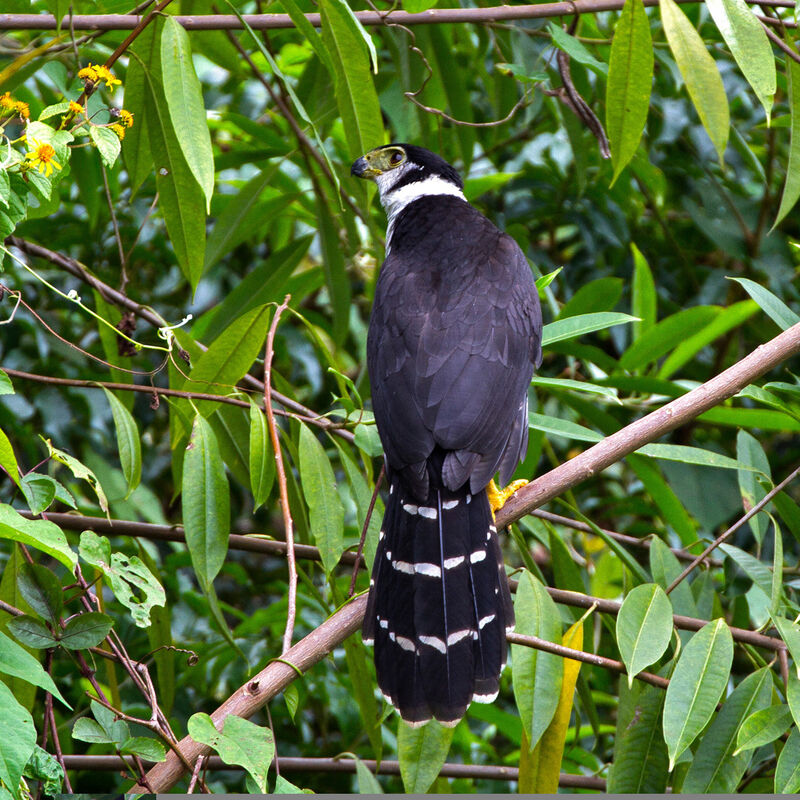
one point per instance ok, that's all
(434, 16)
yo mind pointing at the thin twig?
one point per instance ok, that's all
(288, 525)
(115, 225)
(735, 527)
(589, 658)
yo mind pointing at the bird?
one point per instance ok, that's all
(453, 340)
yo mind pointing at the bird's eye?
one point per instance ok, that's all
(395, 158)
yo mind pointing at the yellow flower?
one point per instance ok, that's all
(75, 108)
(7, 103)
(42, 157)
(118, 129)
(105, 74)
(88, 74)
(22, 109)
(125, 118)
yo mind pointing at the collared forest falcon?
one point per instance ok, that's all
(453, 339)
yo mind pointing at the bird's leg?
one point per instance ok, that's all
(498, 497)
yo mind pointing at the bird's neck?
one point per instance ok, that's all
(395, 200)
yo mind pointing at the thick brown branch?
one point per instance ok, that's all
(90, 22)
(651, 427)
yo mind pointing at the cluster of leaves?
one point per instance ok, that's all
(231, 193)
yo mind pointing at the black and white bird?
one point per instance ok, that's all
(454, 337)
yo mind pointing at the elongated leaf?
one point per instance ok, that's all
(539, 771)
(128, 442)
(17, 661)
(763, 726)
(421, 752)
(772, 306)
(756, 570)
(700, 74)
(750, 452)
(640, 755)
(572, 327)
(714, 769)
(787, 771)
(326, 512)
(664, 336)
(80, 471)
(262, 459)
(363, 690)
(206, 503)
(39, 533)
(537, 675)
(630, 75)
(791, 187)
(575, 49)
(8, 460)
(184, 97)
(31, 632)
(729, 319)
(180, 195)
(645, 299)
(240, 742)
(355, 92)
(644, 627)
(748, 43)
(577, 386)
(335, 271)
(790, 633)
(691, 455)
(19, 742)
(696, 686)
(309, 31)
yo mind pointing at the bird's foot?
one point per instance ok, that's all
(498, 497)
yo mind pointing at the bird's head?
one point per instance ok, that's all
(405, 172)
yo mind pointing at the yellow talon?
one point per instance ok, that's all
(498, 497)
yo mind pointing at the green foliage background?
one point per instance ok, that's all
(231, 192)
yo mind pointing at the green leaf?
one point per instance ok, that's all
(665, 335)
(756, 570)
(240, 742)
(38, 533)
(16, 661)
(575, 49)
(128, 442)
(750, 452)
(31, 632)
(87, 730)
(640, 755)
(537, 675)
(630, 75)
(353, 87)
(80, 471)
(184, 97)
(144, 747)
(422, 752)
(107, 143)
(787, 771)
(19, 741)
(41, 590)
(262, 460)
(790, 633)
(572, 327)
(6, 387)
(715, 769)
(206, 503)
(748, 43)
(772, 306)
(326, 513)
(696, 686)
(309, 31)
(700, 74)
(728, 319)
(643, 628)
(601, 294)
(86, 630)
(8, 461)
(791, 187)
(762, 727)
(39, 491)
(136, 150)
(416, 7)
(690, 455)
(576, 386)
(180, 195)
(44, 767)
(645, 299)
(128, 577)
(335, 271)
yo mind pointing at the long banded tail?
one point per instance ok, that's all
(439, 605)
